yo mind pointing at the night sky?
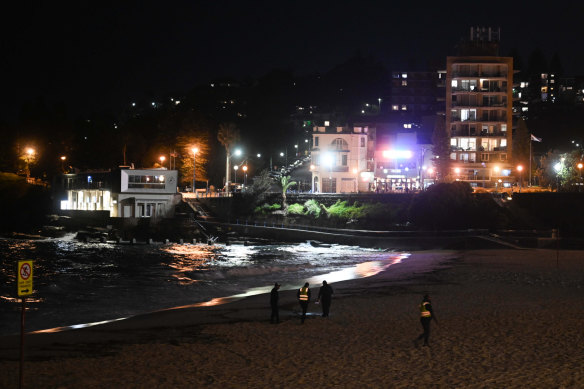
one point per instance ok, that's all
(102, 55)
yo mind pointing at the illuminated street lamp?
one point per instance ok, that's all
(29, 157)
(244, 168)
(162, 158)
(558, 168)
(235, 174)
(195, 151)
(580, 165)
(520, 170)
(63, 158)
(457, 172)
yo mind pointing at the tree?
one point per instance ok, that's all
(286, 184)
(521, 139)
(228, 136)
(441, 150)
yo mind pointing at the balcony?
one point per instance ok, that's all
(494, 134)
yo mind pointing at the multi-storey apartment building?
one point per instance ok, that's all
(479, 117)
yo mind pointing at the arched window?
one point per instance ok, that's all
(339, 144)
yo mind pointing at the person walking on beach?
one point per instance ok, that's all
(274, 297)
(303, 298)
(325, 295)
(426, 316)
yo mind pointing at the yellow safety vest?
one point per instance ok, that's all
(423, 311)
(303, 294)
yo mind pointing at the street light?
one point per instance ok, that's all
(162, 158)
(558, 168)
(244, 168)
(29, 156)
(520, 169)
(63, 158)
(235, 174)
(580, 165)
(195, 151)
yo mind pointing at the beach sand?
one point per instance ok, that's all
(506, 319)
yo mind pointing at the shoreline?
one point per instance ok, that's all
(506, 319)
(220, 310)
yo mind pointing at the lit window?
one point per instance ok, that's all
(454, 83)
(404, 83)
(404, 75)
(395, 107)
(407, 125)
(404, 107)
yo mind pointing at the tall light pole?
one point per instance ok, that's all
(29, 156)
(520, 169)
(162, 158)
(558, 168)
(195, 151)
(379, 99)
(235, 174)
(244, 168)
(63, 158)
(580, 166)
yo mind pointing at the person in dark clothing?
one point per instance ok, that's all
(274, 297)
(325, 295)
(426, 316)
(303, 295)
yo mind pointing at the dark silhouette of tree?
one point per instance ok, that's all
(521, 139)
(441, 150)
(228, 136)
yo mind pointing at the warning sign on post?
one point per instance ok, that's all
(24, 278)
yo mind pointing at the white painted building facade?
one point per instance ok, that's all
(339, 160)
(127, 193)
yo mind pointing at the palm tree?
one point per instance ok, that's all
(286, 184)
(228, 135)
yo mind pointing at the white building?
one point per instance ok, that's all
(339, 159)
(124, 193)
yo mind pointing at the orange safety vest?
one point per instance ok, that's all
(423, 310)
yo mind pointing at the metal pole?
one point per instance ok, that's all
(194, 168)
(530, 160)
(21, 373)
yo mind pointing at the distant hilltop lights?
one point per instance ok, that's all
(154, 104)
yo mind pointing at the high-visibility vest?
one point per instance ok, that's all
(303, 294)
(423, 311)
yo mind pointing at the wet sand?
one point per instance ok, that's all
(507, 318)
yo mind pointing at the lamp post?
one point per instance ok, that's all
(235, 174)
(520, 170)
(195, 151)
(379, 99)
(29, 156)
(558, 168)
(63, 158)
(244, 168)
(162, 158)
(580, 166)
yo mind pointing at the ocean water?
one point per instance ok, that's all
(76, 283)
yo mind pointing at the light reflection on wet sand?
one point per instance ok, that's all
(361, 270)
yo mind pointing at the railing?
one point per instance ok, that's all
(493, 134)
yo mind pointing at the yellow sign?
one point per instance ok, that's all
(24, 278)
